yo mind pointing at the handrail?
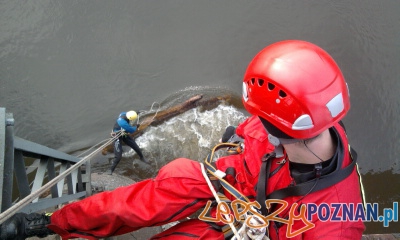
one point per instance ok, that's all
(16, 152)
(34, 148)
(12, 210)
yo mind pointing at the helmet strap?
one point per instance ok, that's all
(289, 141)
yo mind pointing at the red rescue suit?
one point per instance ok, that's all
(180, 190)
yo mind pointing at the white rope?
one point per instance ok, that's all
(119, 133)
(203, 171)
(15, 208)
(151, 109)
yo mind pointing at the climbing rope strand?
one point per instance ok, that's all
(117, 135)
(203, 171)
(151, 109)
(15, 208)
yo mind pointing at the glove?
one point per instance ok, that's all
(22, 226)
(229, 132)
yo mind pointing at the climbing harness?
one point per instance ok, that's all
(324, 181)
(217, 197)
(218, 174)
(246, 232)
(119, 133)
(301, 189)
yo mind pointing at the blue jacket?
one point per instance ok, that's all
(123, 123)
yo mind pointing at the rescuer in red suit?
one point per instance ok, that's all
(294, 149)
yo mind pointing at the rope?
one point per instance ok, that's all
(203, 171)
(97, 145)
(15, 208)
(151, 109)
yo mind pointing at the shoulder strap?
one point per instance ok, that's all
(262, 181)
(323, 182)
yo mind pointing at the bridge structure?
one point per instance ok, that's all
(33, 177)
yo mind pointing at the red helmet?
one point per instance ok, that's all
(297, 87)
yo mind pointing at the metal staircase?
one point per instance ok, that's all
(34, 177)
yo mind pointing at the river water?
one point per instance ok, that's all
(68, 68)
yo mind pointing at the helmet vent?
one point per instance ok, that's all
(271, 86)
(252, 81)
(282, 94)
(260, 82)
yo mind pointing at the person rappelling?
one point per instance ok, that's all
(121, 130)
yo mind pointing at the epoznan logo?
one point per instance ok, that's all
(333, 212)
(336, 212)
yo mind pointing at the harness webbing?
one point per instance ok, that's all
(324, 181)
(262, 181)
(218, 197)
(298, 190)
(214, 175)
(212, 170)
